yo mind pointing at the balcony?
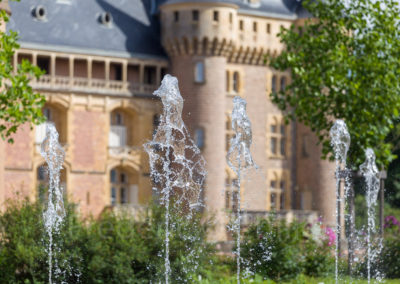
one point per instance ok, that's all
(89, 85)
(250, 217)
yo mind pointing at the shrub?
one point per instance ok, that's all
(23, 255)
(115, 248)
(280, 251)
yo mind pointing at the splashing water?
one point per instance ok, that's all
(53, 153)
(340, 141)
(239, 158)
(370, 173)
(177, 166)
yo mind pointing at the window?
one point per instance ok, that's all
(305, 146)
(283, 83)
(216, 16)
(195, 15)
(278, 138)
(47, 113)
(255, 27)
(43, 184)
(117, 118)
(199, 137)
(176, 16)
(230, 18)
(273, 84)
(119, 187)
(241, 25)
(231, 194)
(268, 28)
(199, 72)
(118, 136)
(156, 122)
(229, 133)
(235, 82)
(277, 189)
(228, 81)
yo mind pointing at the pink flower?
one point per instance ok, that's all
(331, 236)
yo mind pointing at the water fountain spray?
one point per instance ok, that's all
(176, 164)
(340, 141)
(371, 176)
(54, 154)
(239, 158)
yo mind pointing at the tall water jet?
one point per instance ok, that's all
(176, 164)
(340, 141)
(239, 158)
(371, 176)
(54, 154)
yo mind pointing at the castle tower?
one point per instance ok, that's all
(198, 38)
(315, 177)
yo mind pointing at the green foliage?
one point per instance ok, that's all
(345, 65)
(279, 251)
(390, 258)
(18, 103)
(115, 248)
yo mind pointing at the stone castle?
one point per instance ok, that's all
(103, 59)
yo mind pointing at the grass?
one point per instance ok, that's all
(299, 280)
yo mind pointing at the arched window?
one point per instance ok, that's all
(273, 83)
(283, 83)
(118, 130)
(58, 116)
(236, 82)
(199, 76)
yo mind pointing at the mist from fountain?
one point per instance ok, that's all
(371, 175)
(176, 164)
(239, 159)
(340, 141)
(54, 154)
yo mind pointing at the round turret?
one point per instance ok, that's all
(203, 28)
(198, 38)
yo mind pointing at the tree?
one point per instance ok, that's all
(18, 103)
(345, 65)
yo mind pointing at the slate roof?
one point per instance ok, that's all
(269, 8)
(74, 25)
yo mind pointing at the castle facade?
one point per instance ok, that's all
(103, 59)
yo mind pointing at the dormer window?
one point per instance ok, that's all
(106, 19)
(40, 13)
